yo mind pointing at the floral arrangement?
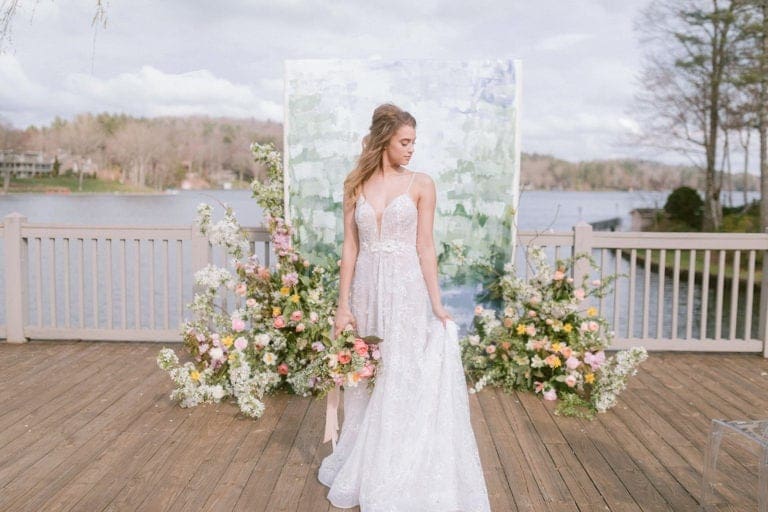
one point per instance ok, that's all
(281, 323)
(549, 340)
(349, 360)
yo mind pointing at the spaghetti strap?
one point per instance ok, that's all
(409, 183)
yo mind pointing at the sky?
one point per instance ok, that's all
(580, 58)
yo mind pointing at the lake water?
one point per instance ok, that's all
(558, 210)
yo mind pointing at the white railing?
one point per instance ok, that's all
(125, 283)
(132, 283)
(663, 301)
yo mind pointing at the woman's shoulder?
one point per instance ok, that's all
(421, 178)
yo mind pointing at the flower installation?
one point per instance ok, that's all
(548, 340)
(281, 322)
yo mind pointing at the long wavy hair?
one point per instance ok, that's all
(387, 119)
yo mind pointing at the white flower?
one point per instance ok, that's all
(269, 358)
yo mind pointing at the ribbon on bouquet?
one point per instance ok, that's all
(332, 416)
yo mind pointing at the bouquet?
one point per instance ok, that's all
(345, 361)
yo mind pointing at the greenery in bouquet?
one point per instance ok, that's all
(549, 339)
(280, 314)
(346, 361)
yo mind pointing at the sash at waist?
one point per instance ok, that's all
(388, 246)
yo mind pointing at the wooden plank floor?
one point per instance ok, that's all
(89, 427)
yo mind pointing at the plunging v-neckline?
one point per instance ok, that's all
(380, 223)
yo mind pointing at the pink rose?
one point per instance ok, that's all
(345, 356)
(596, 360)
(366, 371)
(490, 349)
(572, 363)
(478, 309)
(313, 317)
(282, 369)
(238, 324)
(241, 343)
(531, 313)
(263, 272)
(306, 263)
(530, 330)
(550, 394)
(299, 327)
(251, 303)
(538, 386)
(361, 348)
(593, 326)
(570, 381)
(566, 351)
(241, 289)
(279, 322)
(297, 315)
(579, 293)
(558, 275)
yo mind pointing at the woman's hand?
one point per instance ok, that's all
(342, 318)
(442, 314)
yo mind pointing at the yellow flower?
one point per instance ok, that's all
(295, 298)
(553, 361)
(589, 378)
(194, 375)
(592, 311)
(227, 341)
(557, 347)
(231, 356)
(567, 327)
(276, 310)
(285, 290)
(520, 329)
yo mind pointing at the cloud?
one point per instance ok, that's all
(563, 41)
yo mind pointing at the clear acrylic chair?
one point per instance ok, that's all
(754, 430)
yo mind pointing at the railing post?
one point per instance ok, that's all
(16, 275)
(582, 243)
(763, 328)
(200, 248)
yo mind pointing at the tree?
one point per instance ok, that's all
(690, 45)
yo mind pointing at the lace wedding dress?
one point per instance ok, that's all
(408, 446)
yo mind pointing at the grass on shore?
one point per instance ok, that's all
(67, 184)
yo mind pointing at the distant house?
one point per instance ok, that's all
(25, 164)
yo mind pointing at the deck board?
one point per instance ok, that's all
(89, 426)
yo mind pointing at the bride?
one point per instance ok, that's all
(408, 446)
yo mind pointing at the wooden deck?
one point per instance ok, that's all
(89, 427)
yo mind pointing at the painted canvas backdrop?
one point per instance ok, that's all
(467, 115)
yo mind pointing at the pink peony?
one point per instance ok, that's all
(570, 381)
(297, 315)
(550, 394)
(241, 289)
(490, 349)
(530, 330)
(366, 371)
(579, 293)
(279, 322)
(241, 343)
(318, 346)
(566, 351)
(282, 369)
(313, 317)
(300, 327)
(572, 362)
(263, 273)
(290, 279)
(596, 360)
(238, 324)
(558, 275)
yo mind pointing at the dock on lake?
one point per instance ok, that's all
(89, 426)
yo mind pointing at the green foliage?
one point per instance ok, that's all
(685, 204)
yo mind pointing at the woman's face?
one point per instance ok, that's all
(401, 145)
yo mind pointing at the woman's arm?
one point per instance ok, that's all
(425, 244)
(349, 252)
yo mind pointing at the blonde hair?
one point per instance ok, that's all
(387, 119)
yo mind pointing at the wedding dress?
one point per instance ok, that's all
(408, 446)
